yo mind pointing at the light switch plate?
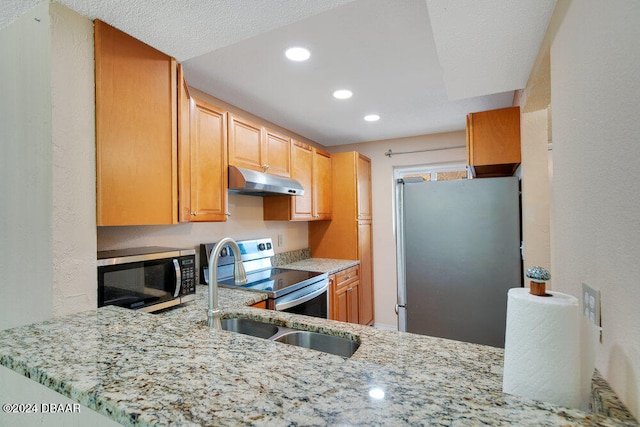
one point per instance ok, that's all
(591, 304)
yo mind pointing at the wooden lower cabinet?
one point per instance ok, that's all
(261, 304)
(365, 297)
(344, 288)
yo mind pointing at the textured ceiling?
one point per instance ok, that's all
(488, 48)
(186, 28)
(383, 50)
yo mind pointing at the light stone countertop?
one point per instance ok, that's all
(146, 369)
(321, 265)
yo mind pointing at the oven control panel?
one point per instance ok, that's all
(259, 251)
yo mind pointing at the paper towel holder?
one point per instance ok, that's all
(539, 277)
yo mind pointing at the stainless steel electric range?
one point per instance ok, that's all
(294, 291)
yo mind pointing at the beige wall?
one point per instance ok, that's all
(245, 222)
(46, 109)
(383, 196)
(535, 188)
(596, 149)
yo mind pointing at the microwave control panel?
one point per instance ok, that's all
(188, 270)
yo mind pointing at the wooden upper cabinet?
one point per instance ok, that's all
(493, 142)
(255, 147)
(184, 148)
(302, 161)
(363, 168)
(136, 131)
(277, 157)
(312, 169)
(245, 143)
(207, 156)
(322, 188)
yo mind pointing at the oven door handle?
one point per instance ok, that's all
(304, 298)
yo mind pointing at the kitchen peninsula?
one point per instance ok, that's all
(146, 369)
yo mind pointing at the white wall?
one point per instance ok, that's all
(595, 89)
(26, 256)
(73, 179)
(48, 219)
(382, 194)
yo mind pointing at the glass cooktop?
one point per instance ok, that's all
(275, 281)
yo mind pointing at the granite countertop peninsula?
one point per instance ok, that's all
(169, 369)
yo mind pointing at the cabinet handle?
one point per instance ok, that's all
(265, 167)
(228, 213)
(349, 290)
(347, 277)
(194, 213)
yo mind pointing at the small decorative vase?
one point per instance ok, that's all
(538, 277)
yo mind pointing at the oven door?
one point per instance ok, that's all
(140, 285)
(312, 300)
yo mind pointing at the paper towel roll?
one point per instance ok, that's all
(542, 347)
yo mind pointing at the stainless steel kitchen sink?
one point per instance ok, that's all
(249, 327)
(339, 346)
(316, 341)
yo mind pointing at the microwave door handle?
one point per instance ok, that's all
(178, 278)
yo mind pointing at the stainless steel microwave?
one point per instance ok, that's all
(146, 279)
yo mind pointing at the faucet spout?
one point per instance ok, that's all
(240, 277)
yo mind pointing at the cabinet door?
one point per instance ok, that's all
(363, 168)
(322, 191)
(347, 303)
(365, 255)
(184, 148)
(208, 156)
(245, 144)
(353, 299)
(493, 141)
(277, 154)
(341, 311)
(302, 171)
(136, 131)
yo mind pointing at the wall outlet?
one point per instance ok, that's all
(280, 240)
(591, 304)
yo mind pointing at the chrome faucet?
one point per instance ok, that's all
(213, 315)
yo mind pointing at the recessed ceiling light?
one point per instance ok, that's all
(297, 54)
(372, 117)
(342, 94)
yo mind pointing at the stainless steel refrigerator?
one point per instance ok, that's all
(458, 255)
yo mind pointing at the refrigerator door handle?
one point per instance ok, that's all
(399, 306)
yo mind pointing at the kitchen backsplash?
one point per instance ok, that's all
(291, 256)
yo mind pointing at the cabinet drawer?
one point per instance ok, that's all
(347, 276)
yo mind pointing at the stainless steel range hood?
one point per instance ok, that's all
(247, 181)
